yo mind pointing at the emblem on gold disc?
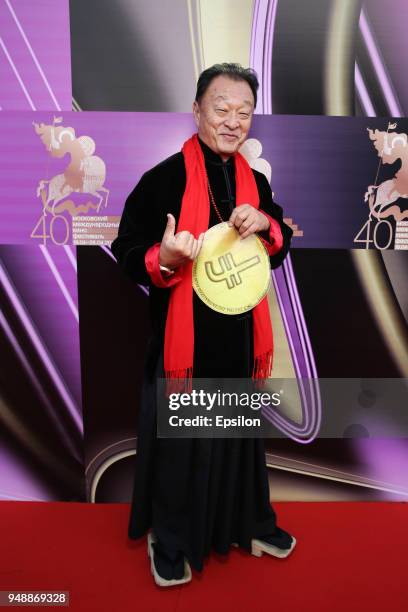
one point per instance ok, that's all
(231, 275)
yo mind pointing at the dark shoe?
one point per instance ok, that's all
(165, 571)
(279, 544)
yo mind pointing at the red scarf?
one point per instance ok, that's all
(194, 217)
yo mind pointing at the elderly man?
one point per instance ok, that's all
(202, 493)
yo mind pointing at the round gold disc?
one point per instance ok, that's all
(231, 275)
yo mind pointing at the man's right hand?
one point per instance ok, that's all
(177, 249)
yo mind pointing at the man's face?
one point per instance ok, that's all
(224, 115)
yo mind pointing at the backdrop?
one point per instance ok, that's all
(331, 137)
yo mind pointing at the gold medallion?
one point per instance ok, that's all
(231, 275)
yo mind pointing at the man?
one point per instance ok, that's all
(198, 494)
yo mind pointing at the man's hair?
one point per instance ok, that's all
(233, 71)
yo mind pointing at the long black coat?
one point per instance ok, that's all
(195, 493)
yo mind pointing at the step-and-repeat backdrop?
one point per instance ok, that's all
(84, 113)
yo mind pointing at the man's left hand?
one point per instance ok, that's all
(248, 220)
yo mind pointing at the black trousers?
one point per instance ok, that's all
(198, 494)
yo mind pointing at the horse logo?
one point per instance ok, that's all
(382, 197)
(85, 173)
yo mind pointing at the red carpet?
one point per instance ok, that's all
(349, 557)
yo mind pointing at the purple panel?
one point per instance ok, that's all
(18, 482)
(128, 144)
(385, 461)
(35, 55)
(321, 169)
(45, 283)
(386, 24)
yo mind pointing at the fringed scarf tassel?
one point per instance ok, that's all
(263, 366)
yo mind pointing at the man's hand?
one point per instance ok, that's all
(177, 249)
(248, 220)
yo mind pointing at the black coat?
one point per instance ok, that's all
(160, 191)
(194, 493)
